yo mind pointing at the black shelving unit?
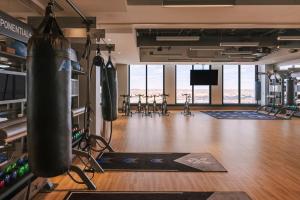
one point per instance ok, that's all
(78, 72)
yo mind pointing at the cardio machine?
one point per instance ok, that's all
(124, 96)
(127, 109)
(147, 111)
(164, 105)
(154, 104)
(139, 108)
(186, 108)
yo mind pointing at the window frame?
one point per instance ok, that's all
(146, 79)
(193, 100)
(239, 87)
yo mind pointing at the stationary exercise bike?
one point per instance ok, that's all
(147, 111)
(124, 96)
(139, 108)
(186, 108)
(164, 105)
(154, 104)
(127, 111)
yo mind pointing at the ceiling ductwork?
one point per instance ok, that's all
(209, 3)
(213, 45)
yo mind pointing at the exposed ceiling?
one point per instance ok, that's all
(122, 20)
(210, 3)
(212, 45)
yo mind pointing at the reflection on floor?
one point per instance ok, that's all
(262, 157)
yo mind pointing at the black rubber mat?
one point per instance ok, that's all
(157, 196)
(178, 162)
(242, 115)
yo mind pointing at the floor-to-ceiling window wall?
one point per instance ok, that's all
(155, 81)
(146, 80)
(239, 84)
(248, 77)
(137, 81)
(230, 84)
(183, 82)
(201, 93)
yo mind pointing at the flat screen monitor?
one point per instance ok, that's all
(204, 77)
(12, 87)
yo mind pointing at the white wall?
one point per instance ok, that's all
(122, 74)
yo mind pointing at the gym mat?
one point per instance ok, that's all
(157, 196)
(174, 162)
(242, 115)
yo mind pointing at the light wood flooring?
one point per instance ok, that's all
(262, 157)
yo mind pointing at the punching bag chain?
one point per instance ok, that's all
(86, 56)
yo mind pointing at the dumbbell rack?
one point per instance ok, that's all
(15, 174)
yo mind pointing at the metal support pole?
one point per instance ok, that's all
(84, 177)
(95, 165)
(97, 137)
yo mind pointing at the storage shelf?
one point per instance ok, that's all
(12, 56)
(78, 111)
(9, 192)
(76, 142)
(78, 72)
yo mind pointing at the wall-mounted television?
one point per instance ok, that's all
(204, 77)
(12, 86)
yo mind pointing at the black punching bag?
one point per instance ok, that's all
(290, 92)
(257, 90)
(49, 100)
(109, 92)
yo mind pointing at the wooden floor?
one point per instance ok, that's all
(262, 157)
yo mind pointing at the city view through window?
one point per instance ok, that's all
(238, 83)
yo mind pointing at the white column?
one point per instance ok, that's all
(216, 90)
(122, 73)
(170, 83)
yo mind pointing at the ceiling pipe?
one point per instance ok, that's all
(196, 3)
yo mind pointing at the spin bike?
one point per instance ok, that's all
(147, 111)
(127, 109)
(164, 105)
(154, 104)
(139, 108)
(187, 109)
(124, 96)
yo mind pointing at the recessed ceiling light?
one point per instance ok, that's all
(197, 3)
(207, 49)
(239, 44)
(177, 38)
(288, 38)
(4, 66)
(237, 53)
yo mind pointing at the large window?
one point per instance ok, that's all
(183, 82)
(146, 80)
(201, 93)
(248, 84)
(137, 82)
(155, 81)
(239, 84)
(230, 84)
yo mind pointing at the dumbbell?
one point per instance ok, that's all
(2, 184)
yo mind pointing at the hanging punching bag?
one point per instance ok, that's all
(290, 92)
(49, 99)
(109, 92)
